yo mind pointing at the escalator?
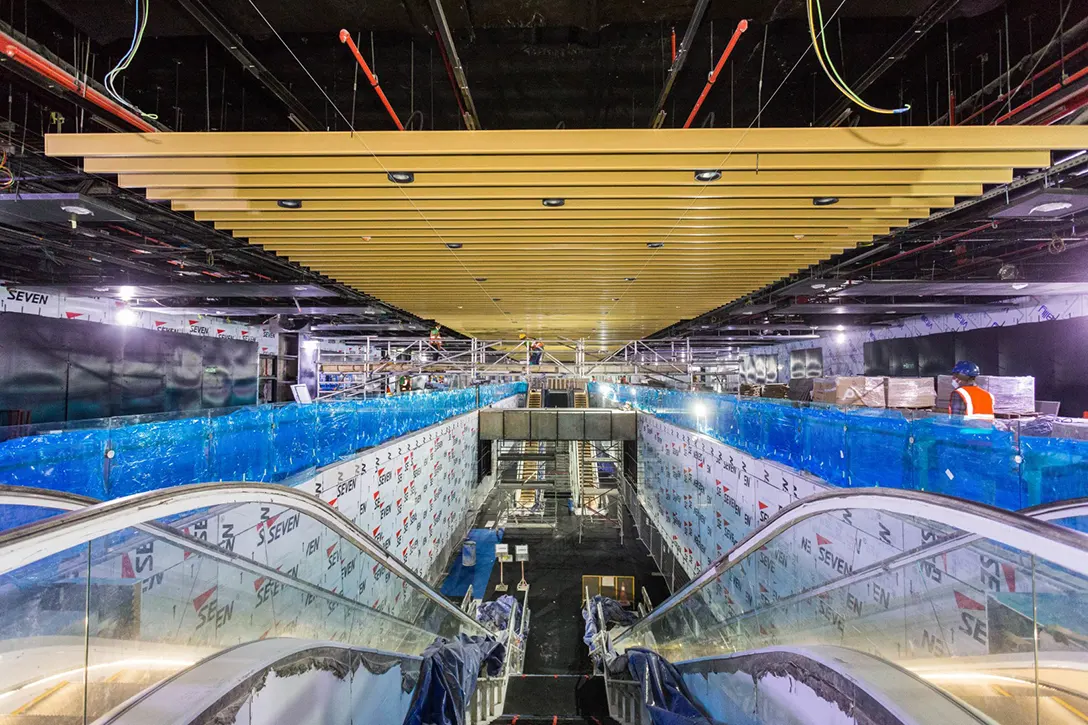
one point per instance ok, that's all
(876, 606)
(215, 603)
(253, 603)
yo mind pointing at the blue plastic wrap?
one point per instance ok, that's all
(254, 443)
(1054, 469)
(448, 676)
(861, 447)
(664, 694)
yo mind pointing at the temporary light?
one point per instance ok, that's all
(841, 338)
(126, 292)
(700, 410)
(825, 200)
(126, 316)
(554, 202)
(840, 328)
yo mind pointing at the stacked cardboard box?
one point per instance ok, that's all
(850, 390)
(911, 393)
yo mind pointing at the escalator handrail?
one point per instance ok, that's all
(43, 498)
(27, 544)
(1058, 544)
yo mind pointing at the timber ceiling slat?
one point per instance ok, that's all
(584, 269)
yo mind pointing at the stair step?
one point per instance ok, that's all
(563, 698)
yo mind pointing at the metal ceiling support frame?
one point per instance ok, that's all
(472, 119)
(932, 15)
(233, 44)
(658, 118)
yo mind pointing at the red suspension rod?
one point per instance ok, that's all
(1045, 94)
(345, 37)
(27, 57)
(741, 27)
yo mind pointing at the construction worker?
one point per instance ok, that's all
(536, 352)
(436, 337)
(968, 399)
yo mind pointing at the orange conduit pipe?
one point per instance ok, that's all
(741, 27)
(26, 57)
(674, 45)
(1045, 94)
(345, 37)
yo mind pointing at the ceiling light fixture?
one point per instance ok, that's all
(825, 200)
(818, 285)
(708, 175)
(289, 203)
(126, 292)
(554, 202)
(126, 316)
(454, 245)
(629, 279)
(798, 236)
(840, 328)
(655, 245)
(77, 210)
(401, 177)
(615, 299)
(481, 279)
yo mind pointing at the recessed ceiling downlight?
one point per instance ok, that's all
(708, 175)
(825, 200)
(454, 245)
(401, 177)
(289, 203)
(655, 245)
(553, 202)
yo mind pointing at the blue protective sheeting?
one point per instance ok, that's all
(460, 577)
(447, 678)
(668, 701)
(866, 447)
(114, 457)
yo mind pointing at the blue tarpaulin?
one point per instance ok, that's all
(460, 576)
(668, 701)
(447, 678)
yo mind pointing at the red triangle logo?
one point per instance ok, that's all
(203, 598)
(257, 583)
(965, 602)
(328, 551)
(219, 331)
(333, 502)
(245, 332)
(376, 530)
(762, 505)
(193, 322)
(126, 567)
(73, 315)
(822, 541)
(1010, 576)
(159, 323)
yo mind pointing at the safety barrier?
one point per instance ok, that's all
(111, 457)
(1004, 464)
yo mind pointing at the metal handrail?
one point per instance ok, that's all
(1027, 533)
(25, 545)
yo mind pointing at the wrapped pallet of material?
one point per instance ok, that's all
(750, 390)
(1011, 394)
(776, 390)
(945, 387)
(801, 388)
(911, 393)
(850, 390)
(1075, 428)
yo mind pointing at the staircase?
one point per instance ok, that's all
(527, 470)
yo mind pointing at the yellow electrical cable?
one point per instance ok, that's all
(832, 72)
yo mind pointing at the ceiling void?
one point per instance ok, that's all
(638, 243)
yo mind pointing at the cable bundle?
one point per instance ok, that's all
(819, 42)
(126, 59)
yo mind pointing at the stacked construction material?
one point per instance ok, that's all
(1012, 395)
(750, 390)
(1075, 428)
(776, 390)
(801, 389)
(910, 393)
(850, 390)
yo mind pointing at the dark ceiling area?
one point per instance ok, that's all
(264, 65)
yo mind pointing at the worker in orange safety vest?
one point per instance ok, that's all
(968, 399)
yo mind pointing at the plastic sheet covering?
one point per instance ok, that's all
(496, 613)
(1010, 464)
(911, 393)
(447, 678)
(114, 457)
(666, 698)
(952, 455)
(613, 613)
(73, 461)
(155, 455)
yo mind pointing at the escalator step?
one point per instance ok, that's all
(567, 698)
